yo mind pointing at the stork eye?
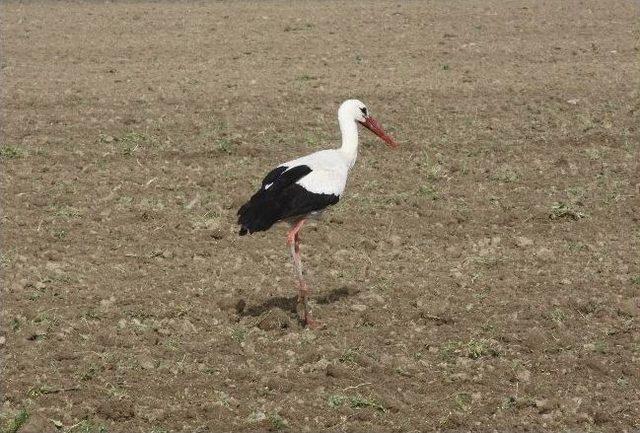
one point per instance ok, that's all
(364, 110)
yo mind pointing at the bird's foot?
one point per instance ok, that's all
(312, 323)
(304, 313)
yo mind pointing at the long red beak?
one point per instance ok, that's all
(372, 125)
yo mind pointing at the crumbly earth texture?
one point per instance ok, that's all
(484, 276)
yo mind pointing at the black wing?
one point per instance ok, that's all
(280, 197)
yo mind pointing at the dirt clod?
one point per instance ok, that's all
(631, 307)
(116, 410)
(274, 319)
(338, 371)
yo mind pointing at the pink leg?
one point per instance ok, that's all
(293, 233)
(293, 240)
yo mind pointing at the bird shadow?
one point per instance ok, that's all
(289, 303)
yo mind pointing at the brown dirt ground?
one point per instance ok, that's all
(486, 275)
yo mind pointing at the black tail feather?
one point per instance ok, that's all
(259, 213)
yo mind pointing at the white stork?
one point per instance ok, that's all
(302, 188)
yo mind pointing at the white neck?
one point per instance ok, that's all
(349, 130)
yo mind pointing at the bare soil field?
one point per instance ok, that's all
(485, 276)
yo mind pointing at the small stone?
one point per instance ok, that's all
(368, 245)
(257, 416)
(320, 365)
(545, 254)
(147, 364)
(455, 273)
(53, 256)
(280, 384)
(395, 240)
(358, 307)
(630, 307)
(572, 101)
(342, 254)
(463, 362)
(524, 376)
(107, 302)
(601, 417)
(164, 331)
(453, 251)
(545, 406)
(459, 377)
(584, 418)
(375, 297)
(217, 234)
(54, 267)
(522, 241)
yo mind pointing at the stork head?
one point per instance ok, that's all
(356, 110)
